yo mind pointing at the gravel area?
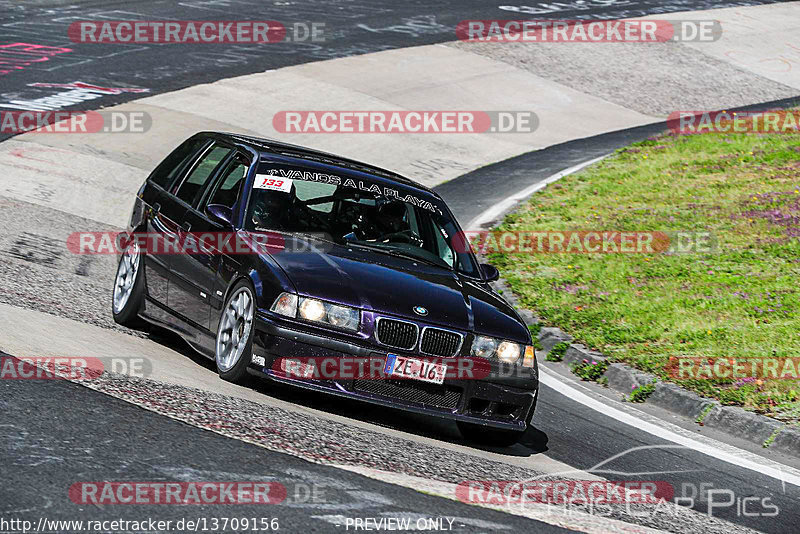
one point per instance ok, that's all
(38, 272)
(654, 79)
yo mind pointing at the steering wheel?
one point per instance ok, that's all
(363, 228)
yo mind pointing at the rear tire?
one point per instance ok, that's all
(128, 294)
(234, 342)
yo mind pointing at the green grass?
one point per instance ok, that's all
(704, 414)
(556, 354)
(772, 437)
(641, 393)
(742, 299)
(590, 371)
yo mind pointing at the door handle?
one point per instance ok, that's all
(186, 227)
(156, 208)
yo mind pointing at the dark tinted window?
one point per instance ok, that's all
(230, 185)
(192, 187)
(168, 169)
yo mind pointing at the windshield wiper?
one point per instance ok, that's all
(315, 236)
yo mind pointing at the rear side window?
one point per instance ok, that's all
(168, 169)
(230, 184)
(193, 185)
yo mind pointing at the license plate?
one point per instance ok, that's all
(404, 367)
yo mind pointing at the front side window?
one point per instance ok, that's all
(193, 185)
(355, 212)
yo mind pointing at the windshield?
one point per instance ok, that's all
(356, 212)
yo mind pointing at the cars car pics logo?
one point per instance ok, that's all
(420, 310)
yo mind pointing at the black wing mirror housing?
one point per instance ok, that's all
(490, 272)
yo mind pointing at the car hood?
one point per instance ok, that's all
(395, 286)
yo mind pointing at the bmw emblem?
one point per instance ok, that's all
(419, 310)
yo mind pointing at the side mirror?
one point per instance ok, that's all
(220, 214)
(490, 272)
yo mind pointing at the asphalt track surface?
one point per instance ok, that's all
(45, 448)
(351, 27)
(102, 438)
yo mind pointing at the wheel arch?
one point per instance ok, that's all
(240, 277)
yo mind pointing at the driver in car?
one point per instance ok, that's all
(392, 225)
(276, 210)
(271, 209)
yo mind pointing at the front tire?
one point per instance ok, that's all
(234, 343)
(128, 295)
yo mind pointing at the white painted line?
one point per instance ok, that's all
(713, 448)
(498, 209)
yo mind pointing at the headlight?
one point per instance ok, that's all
(343, 317)
(318, 311)
(326, 312)
(505, 351)
(285, 304)
(312, 309)
(508, 352)
(484, 347)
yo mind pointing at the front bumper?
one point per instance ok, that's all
(503, 399)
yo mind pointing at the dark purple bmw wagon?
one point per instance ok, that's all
(328, 274)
